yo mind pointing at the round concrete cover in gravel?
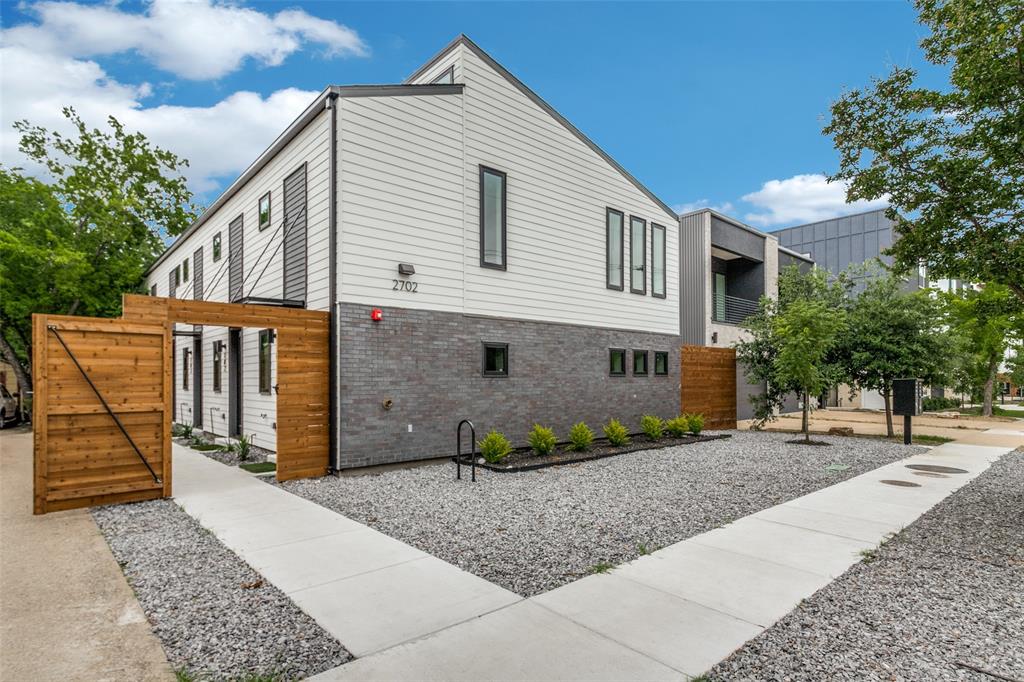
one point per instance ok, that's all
(936, 469)
(902, 484)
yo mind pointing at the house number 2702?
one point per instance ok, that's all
(404, 285)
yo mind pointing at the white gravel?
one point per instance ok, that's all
(214, 615)
(533, 531)
(948, 589)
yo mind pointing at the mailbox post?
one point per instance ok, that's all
(906, 400)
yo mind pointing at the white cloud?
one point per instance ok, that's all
(194, 39)
(725, 207)
(802, 199)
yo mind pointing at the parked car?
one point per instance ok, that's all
(8, 408)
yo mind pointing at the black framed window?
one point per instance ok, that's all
(184, 270)
(640, 363)
(218, 364)
(186, 367)
(152, 290)
(266, 348)
(660, 363)
(264, 211)
(657, 260)
(637, 255)
(617, 362)
(447, 77)
(615, 237)
(495, 361)
(492, 218)
(216, 247)
(177, 276)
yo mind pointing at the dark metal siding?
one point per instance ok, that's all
(295, 235)
(736, 240)
(197, 274)
(235, 255)
(693, 249)
(785, 260)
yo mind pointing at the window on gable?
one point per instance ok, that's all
(264, 210)
(447, 77)
(617, 362)
(657, 261)
(637, 255)
(495, 362)
(216, 247)
(218, 364)
(660, 363)
(614, 237)
(640, 363)
(492, 218)
(265, 355)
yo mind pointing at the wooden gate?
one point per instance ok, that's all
(100, 411)
(708, 384)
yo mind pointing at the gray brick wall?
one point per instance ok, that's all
(429, 364)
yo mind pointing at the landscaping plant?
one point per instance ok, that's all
(652, 426)
(185, 431)
(580, 437)
(677, 427)
(242, 447)
(542, 440)
(494, 447)
(616, 433)
(695, 423)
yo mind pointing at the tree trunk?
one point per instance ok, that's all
(806, 422)
(990, 382)
(887, 397)
(24, 376)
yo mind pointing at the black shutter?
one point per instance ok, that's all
(235, 257)
(197, 274)
(294, 211)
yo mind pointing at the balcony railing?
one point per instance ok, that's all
(732, 309)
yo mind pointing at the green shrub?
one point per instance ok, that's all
(183, 431)
(653, 427)
(931, 404)
(580, 437)
(542, 440)
(494, 447)
(696, 423)
(677, 427)
(616, 433)
(242, 447)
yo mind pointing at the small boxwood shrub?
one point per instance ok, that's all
(616, 433)
(696, 423)
(494, 447)
(542, 440)
(580, 437)
(677, 427)
(931, 404)
(652, 426)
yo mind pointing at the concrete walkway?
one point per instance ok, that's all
(66, 611)
(677, 612)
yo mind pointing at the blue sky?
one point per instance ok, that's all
(706, 103)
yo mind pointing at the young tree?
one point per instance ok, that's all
(893, 334)
(954, 160)
(74, 243)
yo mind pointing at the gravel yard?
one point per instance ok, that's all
(533, 531)
(949, 589)
(214, 615)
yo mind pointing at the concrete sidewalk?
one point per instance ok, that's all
(66, 610)
(677, 612)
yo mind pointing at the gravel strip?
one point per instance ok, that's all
(948, 589)
(533, 531)
(214, 615)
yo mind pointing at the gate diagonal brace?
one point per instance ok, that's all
(103, 401)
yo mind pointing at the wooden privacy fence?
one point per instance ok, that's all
(102, 404)
(708, 381)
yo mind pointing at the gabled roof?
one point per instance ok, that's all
(464, 40)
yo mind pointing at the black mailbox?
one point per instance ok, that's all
(906, 397)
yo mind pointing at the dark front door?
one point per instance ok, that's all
(235, 382)
(197, 382)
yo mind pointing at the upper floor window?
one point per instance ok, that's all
(447, 77)
(216, 247)
(265, 350)
(177, 276)
(637, 255)
(615, 236)
(264, 208)
(657, 261)
(492, 218)
(184, 270)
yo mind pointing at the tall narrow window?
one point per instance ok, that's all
(266, 341)
(218, 364)
(718, 294)
(495, 360)
(186, 367)
(617, 362)
(657, 261)
(264, 209)
(615, 235)
(637, 255)
(660, 363)
(216, 247)
(177, 276)
(492, 218)
(184, 271)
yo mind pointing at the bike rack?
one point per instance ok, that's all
(458, 450)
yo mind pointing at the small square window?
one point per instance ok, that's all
(495, 360)
(640, 363)
(264, 221)
(216, 247)
(660, 363)
(617, 362)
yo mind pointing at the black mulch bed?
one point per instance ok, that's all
(525, 459)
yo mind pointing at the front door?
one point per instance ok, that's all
(235, 382)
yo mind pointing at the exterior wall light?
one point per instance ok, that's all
(376, 314)
(406, 269)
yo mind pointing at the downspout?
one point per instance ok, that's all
(334, 401)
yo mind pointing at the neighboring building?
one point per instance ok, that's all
(725, 267)
(521, 274)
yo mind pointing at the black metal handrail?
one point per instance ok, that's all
(458, 450)
(103, 401)
(735, 309)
